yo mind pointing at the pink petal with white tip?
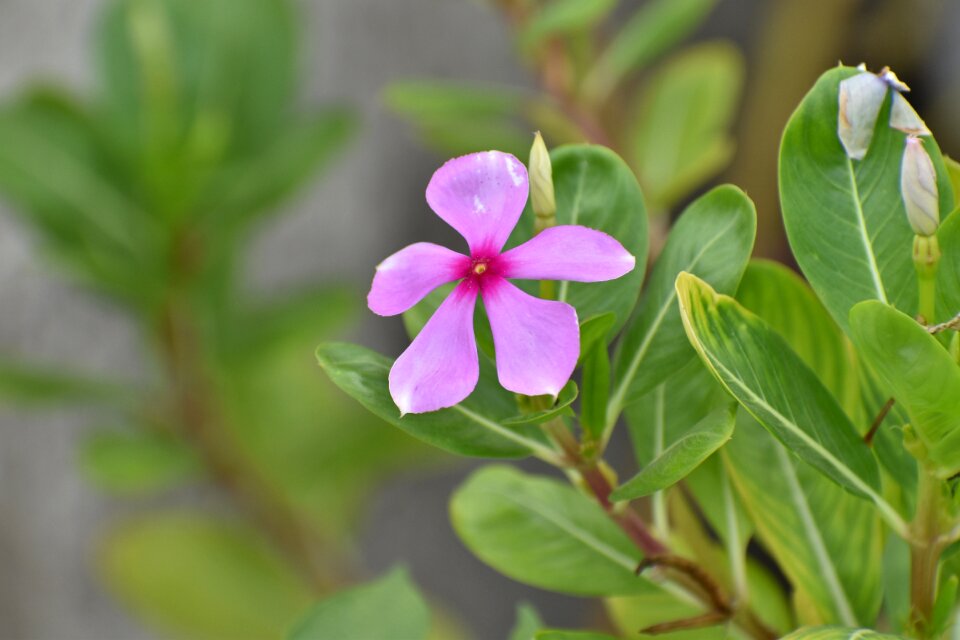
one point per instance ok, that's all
(481, 195)
(406, 277)
(440, 367)
(568, 253)
(537, 342)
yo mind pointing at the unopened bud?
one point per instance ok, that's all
(918, 188)
(542, 196)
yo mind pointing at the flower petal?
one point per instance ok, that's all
(440, 367)
(568, 253)
(481, 195)
(537, 342)
(403, 279)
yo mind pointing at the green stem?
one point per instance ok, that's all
(926, 547)
(926, 259)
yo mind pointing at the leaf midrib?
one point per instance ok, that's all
(864, 234)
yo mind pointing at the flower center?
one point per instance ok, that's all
(480, 268)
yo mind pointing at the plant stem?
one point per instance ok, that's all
(926, 259)
(925, 550)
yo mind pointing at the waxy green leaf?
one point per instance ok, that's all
(918, 372)
(544, 533)
(472, 428)
(566, 397)
(390, 607)
(845, 218)
(760, 369)
(681, 457)
(713, 239)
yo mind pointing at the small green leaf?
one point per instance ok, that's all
(839, 633)
(527, 624)
(713, 238)
(918, 372)
(656, 27)
(388, 608)
(682, 136)
(681, 457)
(544, 533)
(596, 390)
(594, 330)
(561, 407)
(203, 578)
(560, 17)
(763, 373)
(136, 461)
(948, 272)
(847, 216)
(472, 428)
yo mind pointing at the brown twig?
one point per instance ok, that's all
(888, 405)
(952, 323)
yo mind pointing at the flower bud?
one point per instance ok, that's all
(918, 188)
(541, 185)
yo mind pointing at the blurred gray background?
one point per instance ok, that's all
(365, 207)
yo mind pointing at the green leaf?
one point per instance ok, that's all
(713, 239)
(35, 385)
(388, 608)
(786, 303)
(561, 17)
(918, 372)
(631, 613)
(948, 273)
(839, 633)
(527, 624)
(682, 136)
(845, 216)
(596, 189)
(596, 389)
(544, 533)
(655, 28)
(826, 541)
(472, 428)
(595, 330)
(203, 578)
(132, 462)
(680, 458)
(763, 373)
(565, 398)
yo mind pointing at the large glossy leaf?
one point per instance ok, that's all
(202, 578)
(390, 607)
(656, 27)
(472, 428)
(779, 296)
(918, 372)
(759, 368)
(839, 633)
(681, 457)
(544, 533)
(845, 218)
(713, 239)
(682, 136)
(826, 540)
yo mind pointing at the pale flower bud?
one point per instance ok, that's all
(918, 188)
(541, 184)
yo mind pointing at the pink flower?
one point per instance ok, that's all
(537, 342)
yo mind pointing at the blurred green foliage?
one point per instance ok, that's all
(606, 76)
(148, 192)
